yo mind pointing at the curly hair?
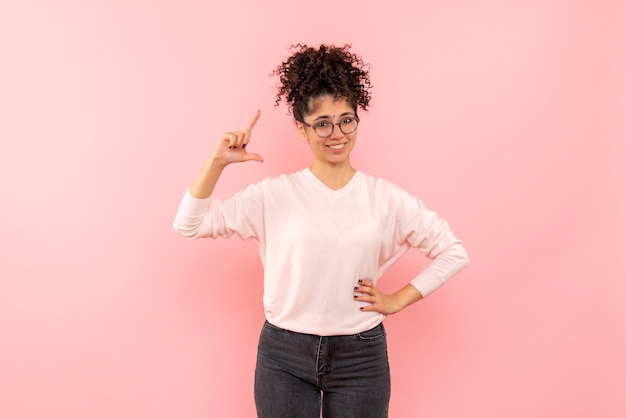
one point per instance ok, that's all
(328, 70)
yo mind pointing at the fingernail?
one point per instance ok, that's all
(360, 281)
(356, 287)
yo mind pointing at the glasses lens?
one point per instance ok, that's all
(323, 129)
(348, 126)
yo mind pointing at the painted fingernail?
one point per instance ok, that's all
(360, 281)
(356, 287)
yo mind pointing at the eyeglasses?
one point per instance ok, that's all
(324, 128)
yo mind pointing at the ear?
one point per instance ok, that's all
(302, 131)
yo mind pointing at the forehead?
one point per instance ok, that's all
(329, 106)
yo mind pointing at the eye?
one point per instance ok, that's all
(322, 124)
(347, 121)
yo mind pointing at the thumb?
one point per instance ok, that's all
(252, 157)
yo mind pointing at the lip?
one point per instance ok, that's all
(343, 147)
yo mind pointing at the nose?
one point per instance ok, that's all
(336, 134)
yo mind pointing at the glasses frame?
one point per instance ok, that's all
(332, 130)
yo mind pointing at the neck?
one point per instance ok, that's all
(334, 177)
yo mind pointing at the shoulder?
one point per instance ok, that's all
(277, 184)
(389, 198)
(381, 186)
(282, 180)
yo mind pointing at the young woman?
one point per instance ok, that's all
(326, 234)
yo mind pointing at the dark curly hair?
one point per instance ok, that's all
(328, 70)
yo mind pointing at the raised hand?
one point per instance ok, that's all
(232, 146)
(230, 149)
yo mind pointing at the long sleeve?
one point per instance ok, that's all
(413, 225)
(442, 268)
(190, 217)
(210, 218)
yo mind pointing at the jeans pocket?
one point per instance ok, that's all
(374, 334)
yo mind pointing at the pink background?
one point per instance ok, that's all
(507, 117)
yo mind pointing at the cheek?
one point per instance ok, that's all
(318, 142)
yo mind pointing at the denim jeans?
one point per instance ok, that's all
(298, 375)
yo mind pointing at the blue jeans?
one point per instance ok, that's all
(298, 375)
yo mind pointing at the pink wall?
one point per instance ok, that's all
(505, 116)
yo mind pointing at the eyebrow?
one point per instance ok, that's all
(328, 117)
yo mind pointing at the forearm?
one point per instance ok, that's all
(204, 184)
(405, 297)
(445, 266)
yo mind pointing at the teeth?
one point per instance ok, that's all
(337, 146)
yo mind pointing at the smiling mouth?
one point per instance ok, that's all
(337, 146)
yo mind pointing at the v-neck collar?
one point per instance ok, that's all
(320, 184)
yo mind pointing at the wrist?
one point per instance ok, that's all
(215, 163)
(406, 296)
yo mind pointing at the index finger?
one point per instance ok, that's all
(256, 117)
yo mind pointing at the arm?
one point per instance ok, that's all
(441, 269)
(445, 265)
(192, 218)
(417, 227)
